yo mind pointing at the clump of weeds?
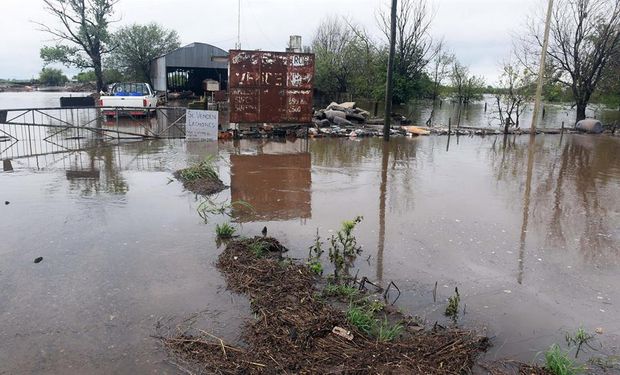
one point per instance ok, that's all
(558, 362)
(314, 255)
(387, 332)
(579, 339)
(209, 207)
(343, 247)
(204, 169)
(225, 230)
(452, 310)
(258, 248)
(362, 317)
(341, 291)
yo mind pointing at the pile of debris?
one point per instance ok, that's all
(346, 120)
(295, 330)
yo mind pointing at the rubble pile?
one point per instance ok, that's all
(346, 120)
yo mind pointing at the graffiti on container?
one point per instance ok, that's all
(274, 87)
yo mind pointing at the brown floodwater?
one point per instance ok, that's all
(530, 235)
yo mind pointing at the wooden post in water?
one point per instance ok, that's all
(541, 70)
(390, 72)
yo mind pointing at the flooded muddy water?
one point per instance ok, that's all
(530, 234)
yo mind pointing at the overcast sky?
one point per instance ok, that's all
(477, 31)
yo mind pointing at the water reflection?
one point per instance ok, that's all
(568, 191)
(277, 186)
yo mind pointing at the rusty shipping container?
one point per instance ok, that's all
(272, 87)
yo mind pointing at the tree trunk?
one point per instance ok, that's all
(581, 111)
(98, 73)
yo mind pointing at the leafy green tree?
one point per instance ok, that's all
(334, 57)
(109, 76)
(135, 46)
(414, 48)
(52, 77)
(82, 35)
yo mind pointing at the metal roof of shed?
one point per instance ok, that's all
(195, 55)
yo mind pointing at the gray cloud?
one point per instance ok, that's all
(478, 31)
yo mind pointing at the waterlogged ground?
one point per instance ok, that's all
(531, 237)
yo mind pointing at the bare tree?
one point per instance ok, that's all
(584, 39)
(82, 35)
(513, 93)
(414, 44)
(440, 67)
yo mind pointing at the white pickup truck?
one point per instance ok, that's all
(138, 98)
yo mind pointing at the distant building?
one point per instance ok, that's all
(185, 68)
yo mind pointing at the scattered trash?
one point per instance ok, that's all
(343, 333)
(599, 330)
(38, 260)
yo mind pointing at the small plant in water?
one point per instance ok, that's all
(204, 169)
(452, 310)
(225, 230)
(343, 246)
(314, 255)
(208, 207)
(558, 362)
(580, 338)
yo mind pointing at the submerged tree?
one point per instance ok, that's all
(584, 39)
(512, 95)
(135, 46)
(466, 86)
(440, 68)
(52, 77)
(82, 36)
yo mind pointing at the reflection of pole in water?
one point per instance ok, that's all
(526, 207)
(448, 143)
(382, 195)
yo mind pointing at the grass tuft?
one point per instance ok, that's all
(258, 248)
(362, 319)
(204, 169)
(386, 332)
(558, 362)
(340, 290)
(225, 230)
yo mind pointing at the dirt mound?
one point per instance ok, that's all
(204, 186)
(292, 329)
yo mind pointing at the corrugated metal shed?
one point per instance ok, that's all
(192, 56)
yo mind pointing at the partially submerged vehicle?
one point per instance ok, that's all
(129, 98)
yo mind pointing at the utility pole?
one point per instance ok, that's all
(238, 45)
(541, 70)
(390, 73)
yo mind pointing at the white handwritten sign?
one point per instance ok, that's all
(201, 124)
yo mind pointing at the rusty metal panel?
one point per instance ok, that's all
(273, 87)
